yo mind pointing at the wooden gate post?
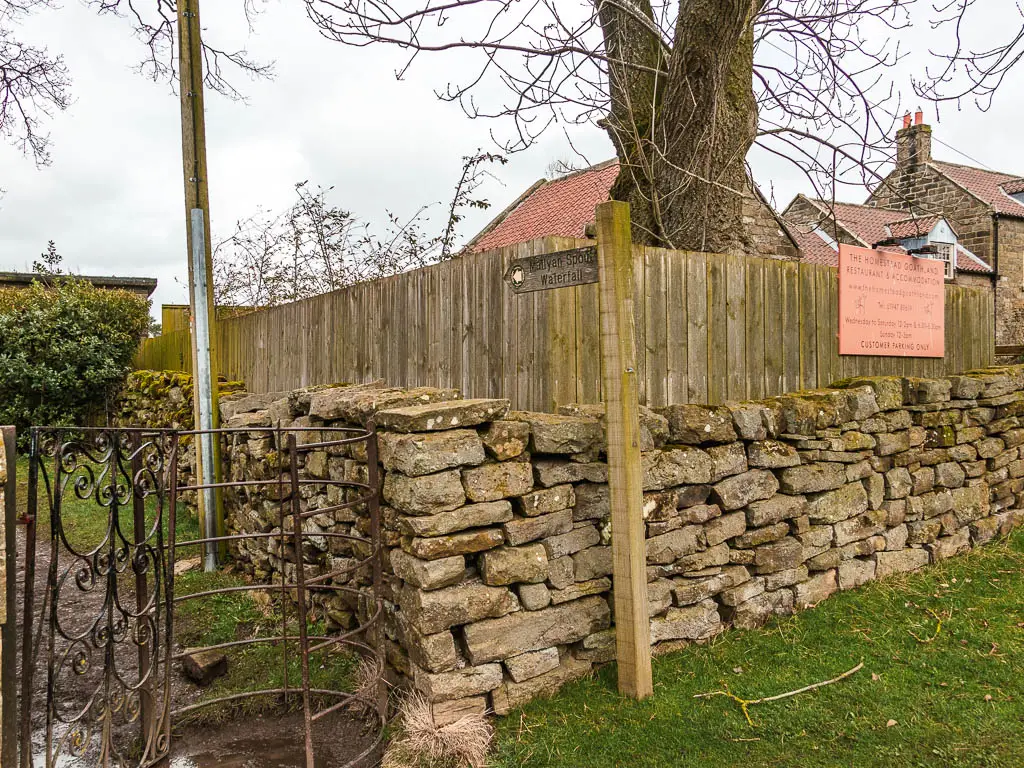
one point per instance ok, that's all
(625, 477)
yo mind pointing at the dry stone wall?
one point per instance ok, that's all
(497, 523)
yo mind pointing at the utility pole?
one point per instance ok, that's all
(200, 271)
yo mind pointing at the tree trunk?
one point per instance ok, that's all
(682, 124)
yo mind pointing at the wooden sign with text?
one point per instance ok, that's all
(561, 269)
(891, 304)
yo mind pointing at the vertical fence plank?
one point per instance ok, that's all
(654, 342)
(718, 359)
(754, 323)
(735, 329)
(773, 340)
(808, 327)
(676, 312)
(697, 327)
(790, 326)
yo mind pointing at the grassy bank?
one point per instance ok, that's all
(926, 695)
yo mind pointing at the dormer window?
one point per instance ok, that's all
(944, 252)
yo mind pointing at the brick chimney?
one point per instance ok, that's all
(913, 142)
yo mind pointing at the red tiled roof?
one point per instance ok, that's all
(863, 221)
(813, 246)
(986, 185)
(561, 207)
(913, 227)
(968, 262)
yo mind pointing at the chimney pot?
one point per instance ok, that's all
(906, 120)
(918, 117)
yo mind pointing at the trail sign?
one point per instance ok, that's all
(561, 269)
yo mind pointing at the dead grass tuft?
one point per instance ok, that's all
(422, 743)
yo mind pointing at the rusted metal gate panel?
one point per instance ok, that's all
(107, 663)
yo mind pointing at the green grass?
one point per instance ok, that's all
(208, 620)
(957, 699)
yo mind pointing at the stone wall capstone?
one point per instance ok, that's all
(497, 523)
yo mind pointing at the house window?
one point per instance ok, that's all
(945, 252)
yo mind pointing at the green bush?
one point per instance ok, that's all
(65, 349)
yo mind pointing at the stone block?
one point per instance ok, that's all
(823, 561)
(740, 490)
(817, 588)
(448, 712)
(424, 495)
(470, 516)
(502, 480)
(509, 565)
(695, 424)
(701, 513)
(778, 556)
(843, 503)
(671, 546)
(533, 597)
(694, 622)
(659, 596)
(464, 543)
(756, 611)
(893, 442)
(675, 466)
(598, 647)
(551, 472)
(459, 683)
(572, 541)
(874, 485)
(742, 592)
(854, 573)
(758, 536)
(203, 667)
(687, 591)
(950, 546)
(561, 434)
(516, 633)
(428, 574)
(726, 460)
(424, 454)
(580, 589)
(923, 531)
(592, 502)
(592, 563)
(984, 530)
(750, 420)
(890, 563)
(811, 478)
(896, 538)
(692, 495)
(775, 510)
(898, 483)
(787, 578)
(859, 527)
(772, 454)
(505, 440)
(525, 529)
(441, 609)
(526, 666)
(561, 573)
(434, 653)
(971, 503)
(547, 500)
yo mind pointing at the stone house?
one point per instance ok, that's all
(972, 218)
(564, 207)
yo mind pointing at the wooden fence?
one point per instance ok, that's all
(710, 328)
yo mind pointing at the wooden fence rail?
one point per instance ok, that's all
(710, 328)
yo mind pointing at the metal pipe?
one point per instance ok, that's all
(203, 386)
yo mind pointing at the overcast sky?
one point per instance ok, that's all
(113, 199)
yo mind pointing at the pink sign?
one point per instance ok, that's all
(891, 304)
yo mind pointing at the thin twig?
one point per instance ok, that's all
(938, 628)
(745, 703)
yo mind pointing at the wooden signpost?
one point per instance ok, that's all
(611, 265)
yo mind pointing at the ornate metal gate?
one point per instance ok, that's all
(99, 623)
